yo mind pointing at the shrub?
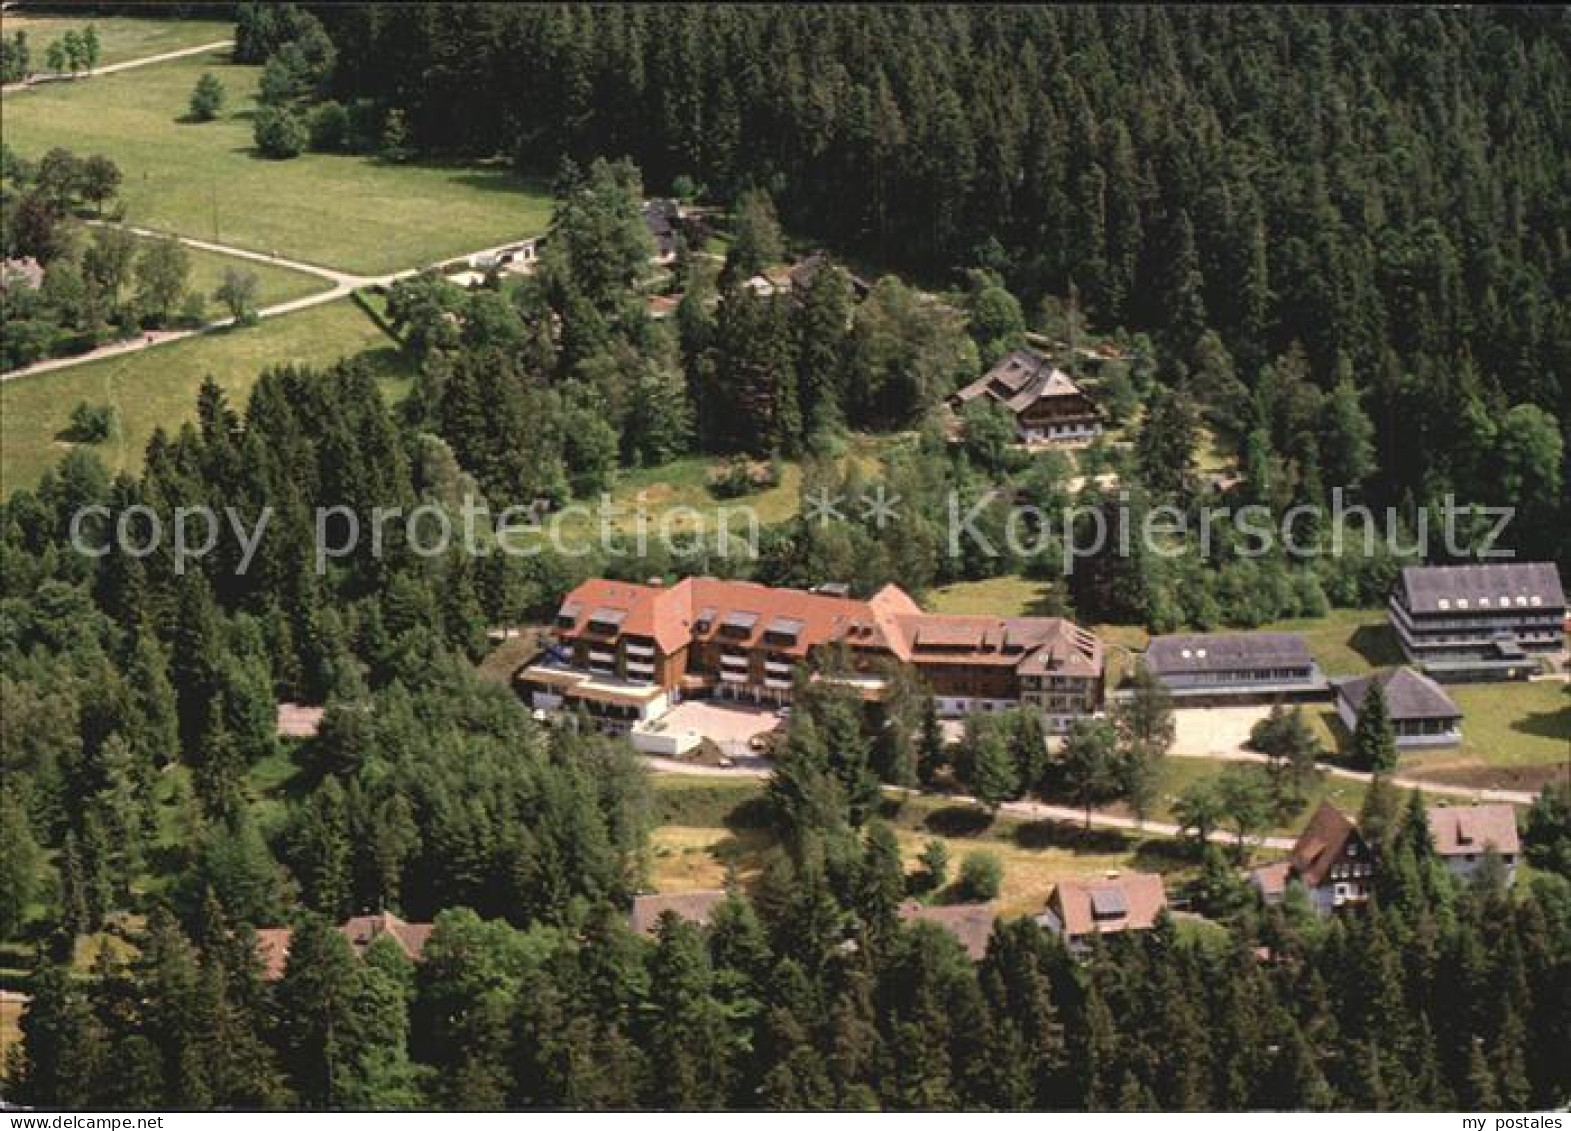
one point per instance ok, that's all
(981, 875)
(329, 128)
(92, 423)
(279, 133)
(742, 476)
(207, 99)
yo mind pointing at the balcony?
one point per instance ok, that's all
(777, 667)
(596, 656)
(776, 683)
(735, 660)
(733, 677)
(642, 651)
(640, 671)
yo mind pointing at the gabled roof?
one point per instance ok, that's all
(1483, 588)
(970, 923)
(1019, 380)
(1192, 653)
(272, 943)
(1408, 695)
(692, 906)
(740, 613)
(1322, 843)
(1469, 830)
(1118, 903)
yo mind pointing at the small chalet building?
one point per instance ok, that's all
(1422, 714)
(1464, 835)
(1479, 622)
(970, 923)
(663, 220)
(626, 652)
(1330, 859)
(690, 906)
(272, 943)
(1079, 909)
(1047, 405)
(1235, 668)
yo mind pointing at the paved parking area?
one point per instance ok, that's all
(730, 726)
(1214, 731)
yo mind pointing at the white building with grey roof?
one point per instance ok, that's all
(1479, 622)
(1218, 669)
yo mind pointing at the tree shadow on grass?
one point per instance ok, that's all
(1545, 724)
(958, 821)
(1039, 835)
(1376, 644)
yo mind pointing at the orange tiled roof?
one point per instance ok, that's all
(698, 608)
(1137, 899)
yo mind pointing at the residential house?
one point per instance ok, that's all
(1046, 404)
(1479, 622)
(1079, 909)
(626, 652)
(1330, 859)
(691, 906)
(1422, 714)
(663, 220)
(806, 269)
(272, 943)
(1464, 835)
(1235, 668)
(970, 923)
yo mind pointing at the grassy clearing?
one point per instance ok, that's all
(709, 830)
(158, 386)
(120, 39)
(1178, 773)
(1346, 641)
(274, 284)
(1008, 596)
(205, 180)
(674, 499)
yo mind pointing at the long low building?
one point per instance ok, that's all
(1421, 713)
(1479, 622)
(1235, 668)
(627, 652)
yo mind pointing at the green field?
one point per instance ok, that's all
(120, 39)
(158, 386)
(274, 284)
(1007, 596)
(354, 213)
(705, 832)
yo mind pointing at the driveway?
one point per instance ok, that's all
(730, 726)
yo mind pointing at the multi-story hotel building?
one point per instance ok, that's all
(1479, 621)
(626, 652)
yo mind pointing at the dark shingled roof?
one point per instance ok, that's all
(1169, 655)
(693, 906)
(1522, 585)
(1408, 695)
(970, 923)
(1019, 380)
(1321, 844)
